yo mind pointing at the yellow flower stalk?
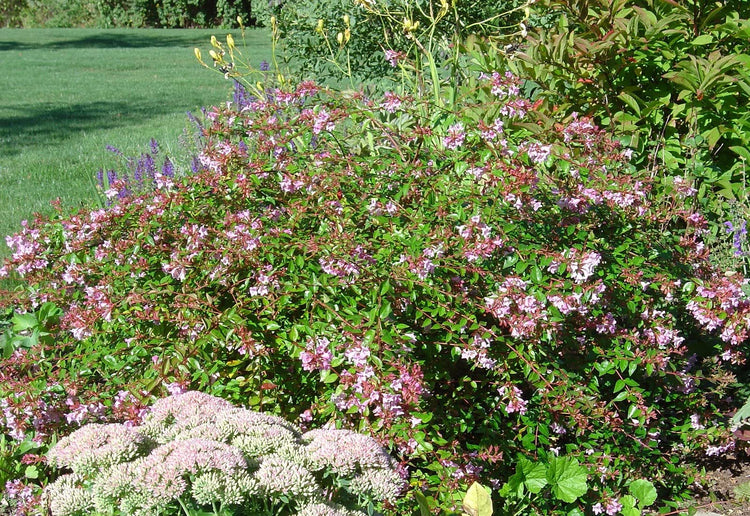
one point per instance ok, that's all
(230, 41)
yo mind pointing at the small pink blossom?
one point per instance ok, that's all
(455, 137)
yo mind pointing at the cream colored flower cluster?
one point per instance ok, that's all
(196, 451)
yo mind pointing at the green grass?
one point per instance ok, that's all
(67, 93)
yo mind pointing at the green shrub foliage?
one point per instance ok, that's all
(494, 297)
(670, 77)
(309, 31)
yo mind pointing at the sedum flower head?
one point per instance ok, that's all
(279, 477)
(377, 484)
(217, 486)
(237, 421)
(96, 446)
(262, 440)
(175, 414)
(68, 496)
(344, 451)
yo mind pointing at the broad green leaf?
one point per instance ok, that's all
(567, 478)
(477, 501)
(534, 474)
(644, 491)
(31, 472)
(23, 322)
(742, 492)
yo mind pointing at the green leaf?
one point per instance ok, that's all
(704, 39)
(567, 478)
(741, 152)
(533, 474)
(477, 501)
(424, 507)
(23, 322)
(631, 102)
(644, 491)
(31, 472)
(742, 492)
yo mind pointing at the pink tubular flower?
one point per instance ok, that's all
(613, 507)
(455, 137)
(391, 102)
(394, 57)
(317, 355)
(515, 403)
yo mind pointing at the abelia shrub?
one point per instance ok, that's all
(471, 287)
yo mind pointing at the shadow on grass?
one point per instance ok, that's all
(43, 125)
(118, 38)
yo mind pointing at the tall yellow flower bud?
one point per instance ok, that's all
(319, 26)
(239, 21)
(197, 52)
(230, 41)
(347, 35)
(214, 42)
(340, 38)
(346, 20)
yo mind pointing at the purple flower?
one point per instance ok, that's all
(264, 66)
(167, 169)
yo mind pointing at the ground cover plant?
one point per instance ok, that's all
(76, 91)
(493, 293)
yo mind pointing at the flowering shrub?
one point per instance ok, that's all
(491, 293)
(196, 450)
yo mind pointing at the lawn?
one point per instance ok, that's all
(68, 93)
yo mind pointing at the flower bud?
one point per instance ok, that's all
(214, 55)
(214, 42)
(347, 35)
(239, 21)
(340, 38)
(346, 20)
(198, 54)
(319, 26)
(230, 41)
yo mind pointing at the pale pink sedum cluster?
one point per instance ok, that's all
(196, 450)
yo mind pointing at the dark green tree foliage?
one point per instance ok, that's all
(123, 13)
(10, 12)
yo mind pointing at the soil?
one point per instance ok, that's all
(725, 490)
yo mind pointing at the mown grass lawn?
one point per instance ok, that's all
(65, 94)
